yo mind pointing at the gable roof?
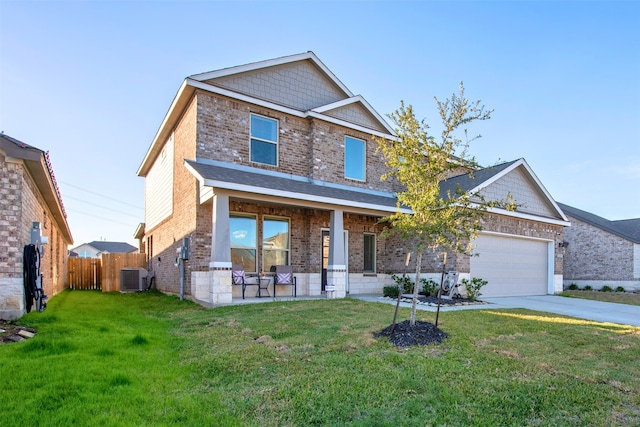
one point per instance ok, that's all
(299, 85)
(481, 180)
(110, 247)
(628, 229)
(472, 180)
(38, 164)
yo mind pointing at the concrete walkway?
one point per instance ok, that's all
(580, 308)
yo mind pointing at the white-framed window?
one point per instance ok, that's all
(275, 242)
(244, 247)
(369, 253)
(264, 140)
(354, 158)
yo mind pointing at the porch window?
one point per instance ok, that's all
(264, 140)
(242, 230)
(275, 242)
(354, 158)
(369, 253)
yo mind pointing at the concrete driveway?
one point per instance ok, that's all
(580, 308)
(575, 307)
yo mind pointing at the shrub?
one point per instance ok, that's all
(429, 287)
(573, 287)
(588, 288)
(404, 283)
(473, 287)
(620, 289)
(390, 291)
(606, 288)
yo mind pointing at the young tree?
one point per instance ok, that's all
(438, 220)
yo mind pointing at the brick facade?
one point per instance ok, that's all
(22, 204)
(307, 147)
(215, 126)
(596, 258)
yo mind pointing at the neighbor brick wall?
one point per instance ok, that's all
(10, 214)
(53, 264)
(21, 204)
(594, 254)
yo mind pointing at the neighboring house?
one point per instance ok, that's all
(600, 252)
(273, 163)
(96, 248)
(29, 195)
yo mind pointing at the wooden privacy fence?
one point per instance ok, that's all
(113, 263)
(84, 273)
(102, 273)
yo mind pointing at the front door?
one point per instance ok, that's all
(325, 258)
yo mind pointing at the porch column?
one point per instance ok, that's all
(220, 262)
(220, 238)
(337, 268)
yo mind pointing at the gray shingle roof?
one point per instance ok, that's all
(16, 141)
(627, 229)
(112, 247)
(470, 181)
(291, 184)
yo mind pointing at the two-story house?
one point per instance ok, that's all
(273, 163)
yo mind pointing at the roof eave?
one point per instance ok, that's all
(40, 173)
(179, 103)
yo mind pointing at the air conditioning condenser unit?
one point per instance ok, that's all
(133, 279)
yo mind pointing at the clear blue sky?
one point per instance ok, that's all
(90, 82)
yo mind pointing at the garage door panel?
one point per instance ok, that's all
(511, 265)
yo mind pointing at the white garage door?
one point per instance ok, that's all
(512, 266)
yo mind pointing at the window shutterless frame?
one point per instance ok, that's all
(369, 253)
(244, 242)
(276, 238)
(263, 145)
(355, 158)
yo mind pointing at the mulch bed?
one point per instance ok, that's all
(447, 302)
(433, 300)
(405, 335)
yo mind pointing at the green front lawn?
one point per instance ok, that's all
(149, 359)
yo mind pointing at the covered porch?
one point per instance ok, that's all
(288, 221)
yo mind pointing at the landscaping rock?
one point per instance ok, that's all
(10, 332)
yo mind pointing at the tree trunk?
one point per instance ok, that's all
(416, 288)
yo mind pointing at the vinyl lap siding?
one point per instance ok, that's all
(158, 188)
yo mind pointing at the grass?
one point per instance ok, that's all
(617, 297)
(150, 359)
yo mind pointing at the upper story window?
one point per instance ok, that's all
(264, 140)
(354, 158)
